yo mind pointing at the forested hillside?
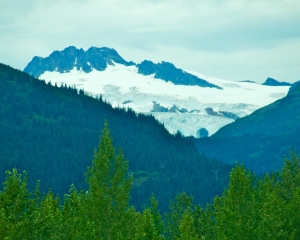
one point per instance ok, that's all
(261, 139)
(52, 132)
(250, 208)
(261, 153)
(279, 118)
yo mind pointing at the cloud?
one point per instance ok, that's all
(219, 38)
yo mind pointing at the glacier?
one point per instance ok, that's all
(179, 107)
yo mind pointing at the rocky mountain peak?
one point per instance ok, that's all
(168, 72)
(273, 82)
(70, 57)
(99, 58)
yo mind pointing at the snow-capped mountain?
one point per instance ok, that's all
(185, 101)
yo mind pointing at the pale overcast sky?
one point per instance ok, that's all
(233, 39)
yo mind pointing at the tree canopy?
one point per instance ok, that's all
(250, 208)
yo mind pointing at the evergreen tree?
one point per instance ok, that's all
(48, 219)
(187, 227)
(109, 191)
(178, 209)
(150, 223)
(233, 210)
(17, 209)
(204, 222)
(76, 224)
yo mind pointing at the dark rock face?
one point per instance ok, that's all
(202, 132)
(273, 82)
(174, 109)
(127, 101)
(168, 72)
(212, 112)
(229, 115)
(98, 59)
(146, 67)
(247, 81)
(158, 108)
(70, 57)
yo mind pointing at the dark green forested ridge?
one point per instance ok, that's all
(261, 153)
(251, 208)
(260, 139)
(279, 118)
(52, 131)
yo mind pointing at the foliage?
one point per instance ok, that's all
(109, 192)
(251, 207)
(259, 152)
(150, 224)
(254, 208)
(32, 127)
(174, 218)
(49, 130)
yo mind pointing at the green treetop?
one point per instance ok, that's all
(109, 191)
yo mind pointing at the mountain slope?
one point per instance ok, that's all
(52, 132)
(259, 140)
(100, 58)
(273, 82)
(279, 118)
(168, 72)
(183, 101)
(65, 61)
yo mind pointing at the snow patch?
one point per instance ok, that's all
(119, 83)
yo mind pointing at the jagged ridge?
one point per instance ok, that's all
(273, 82)
(98, 59)
(70, 57)
(168, 72)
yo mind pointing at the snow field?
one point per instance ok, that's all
(119, 84)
